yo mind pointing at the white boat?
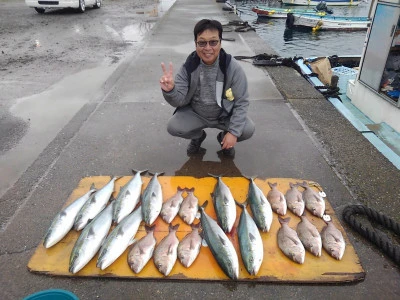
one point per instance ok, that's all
(328, 2)
(379, 132)
(327, 22)
(281, 13)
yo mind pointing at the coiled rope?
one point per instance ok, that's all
(379, 239)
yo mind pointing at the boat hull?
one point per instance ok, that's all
(281, 13)
(331, 23)
(328, 2)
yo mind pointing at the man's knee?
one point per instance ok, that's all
(172, 130)
(248, 131)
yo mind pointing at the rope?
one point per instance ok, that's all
(379, 239)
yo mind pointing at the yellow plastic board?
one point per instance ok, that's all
(276, 267)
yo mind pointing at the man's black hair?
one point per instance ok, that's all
(205, 24)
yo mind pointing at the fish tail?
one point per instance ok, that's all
(191, 190)
(203, 207)
(155, 173)
(173, 227)
(195, 226)
(134, 171)
(149, 228)
(303, 184)
(181, 189)
(250, 177)
(272, 185)
(215, 176)
(242, 205)
(284, 221)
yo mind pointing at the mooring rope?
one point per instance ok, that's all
(379, 239)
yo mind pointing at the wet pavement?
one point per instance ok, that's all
(298, 135)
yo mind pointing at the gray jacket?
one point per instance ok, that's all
(230, 76)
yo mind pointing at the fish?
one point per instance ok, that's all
(224, 205)
(128, 197)
(332, 240)
(313, 201)
(119, 239)
(94, 205)
(152, 200)
(250, 242)
(166, 252)
(142, 250)
(294, 200)
(189, 207)
(289, 242)
(189, 247)
(309, 236)
(260, 207)
(170, 208)
(277, 199)
(64, 220)
(90, 239)
(221, 247)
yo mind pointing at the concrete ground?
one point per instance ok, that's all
(298, 134)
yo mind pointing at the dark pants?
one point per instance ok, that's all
(187, 124)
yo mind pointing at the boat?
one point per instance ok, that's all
(327, 22)
(328, 2)
(321, 9)
(342, 95)
(281, 13)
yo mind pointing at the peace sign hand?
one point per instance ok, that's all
(167, 80)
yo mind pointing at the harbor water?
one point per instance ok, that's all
(305, 43)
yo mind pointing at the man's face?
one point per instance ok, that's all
(208, 53)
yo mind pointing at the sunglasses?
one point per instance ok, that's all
(203, 44)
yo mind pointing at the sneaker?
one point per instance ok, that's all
(195, 144)
(227, 152)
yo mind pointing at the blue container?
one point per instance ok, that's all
(344, 74)
(54, 294)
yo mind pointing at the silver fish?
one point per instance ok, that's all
(224, 205)
(95, 204)
(309, 236)
(313, 201)
(260, 207)
(289, 242)
(294, 200)
(221, 247)
(277, 199)
(90, 240)
(142, 250)
(250, 242)
(332, 240)
(165, 254)
(119, 239)
(189, 207)
(152, 200)
(128, 197)
(64, 220)
(189, 246)
(171, 207)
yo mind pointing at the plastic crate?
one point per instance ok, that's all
(345, 74)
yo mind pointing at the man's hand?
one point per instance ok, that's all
(167, 80)
(228, 141)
